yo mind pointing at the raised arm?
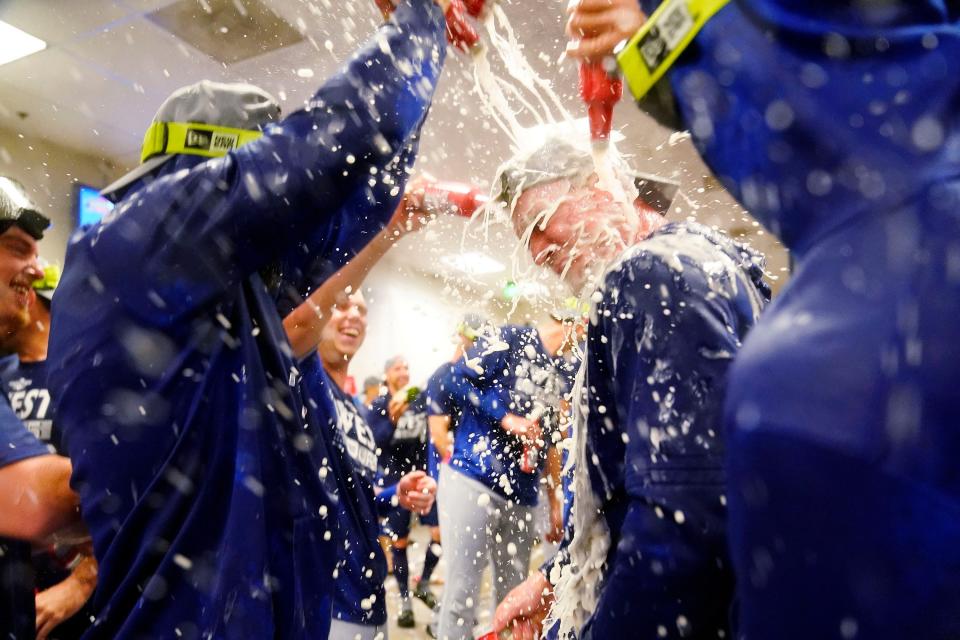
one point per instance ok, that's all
(305, 323)
(193, 234)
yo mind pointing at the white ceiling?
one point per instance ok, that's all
(107, 68)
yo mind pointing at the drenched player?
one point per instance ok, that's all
(673, 303)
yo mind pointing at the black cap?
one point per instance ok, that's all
(16, 208)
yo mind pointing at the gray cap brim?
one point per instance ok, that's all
(112, 190)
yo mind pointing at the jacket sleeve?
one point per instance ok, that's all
(192, 234)
(306, 266)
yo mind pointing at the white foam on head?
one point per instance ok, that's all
(527, 109)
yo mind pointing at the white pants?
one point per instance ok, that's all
(342, 630)
(477, 524)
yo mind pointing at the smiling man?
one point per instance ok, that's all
(359, 606)
(326, 331)
(35, 497)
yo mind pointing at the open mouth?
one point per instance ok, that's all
(21, 292)
(350, 332)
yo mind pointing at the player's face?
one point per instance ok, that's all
(398, 375)
(347, 326)
(19, 269)
(573, 228)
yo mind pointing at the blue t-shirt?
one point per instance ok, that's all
(26, 389)
(509, 372)
(203, 472)
(837, 125)
(441, 393)
(672, 316)
(403, 447)
(361, 566)
(17, 615)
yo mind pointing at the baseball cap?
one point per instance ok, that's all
(207, 119)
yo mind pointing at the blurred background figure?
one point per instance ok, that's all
(399, 422)
(372, 388)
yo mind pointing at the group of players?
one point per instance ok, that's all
(739, 469)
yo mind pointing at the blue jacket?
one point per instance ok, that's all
(837, 124)
(210, 485)
(659, 347)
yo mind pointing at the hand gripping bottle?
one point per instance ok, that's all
(452, 198)
(460, 32)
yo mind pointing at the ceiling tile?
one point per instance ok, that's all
(151, 59)
(71, 84)
(226, 30)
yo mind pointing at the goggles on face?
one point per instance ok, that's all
(646, 57)
(209, 141)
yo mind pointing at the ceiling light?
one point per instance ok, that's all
(16, 44)
(473, 262)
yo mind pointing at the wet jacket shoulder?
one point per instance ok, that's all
(669, 319)
(671, 315)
